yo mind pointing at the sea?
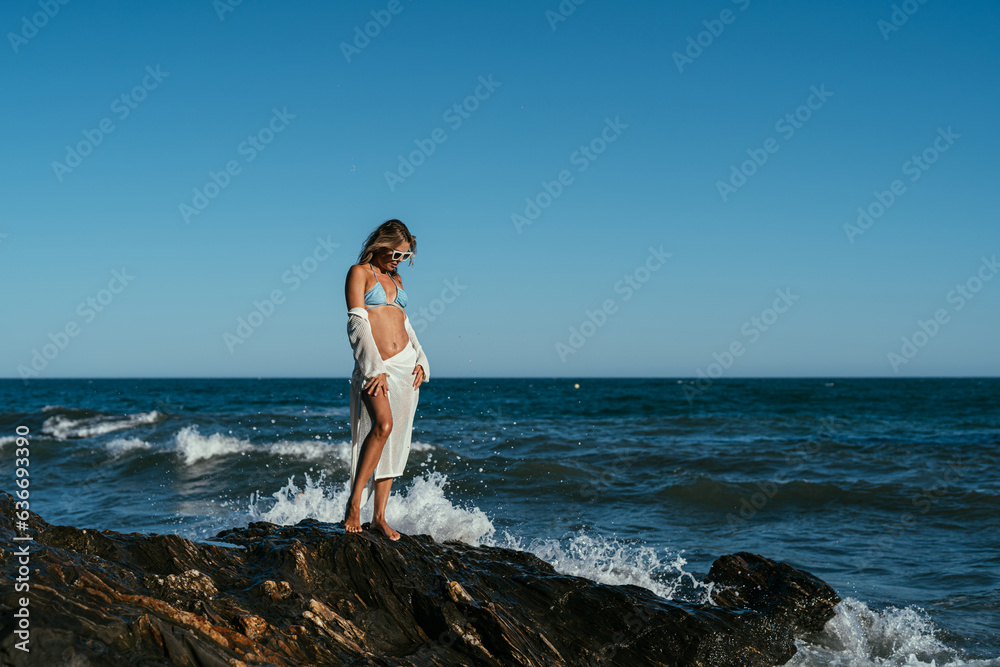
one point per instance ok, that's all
(887, 489)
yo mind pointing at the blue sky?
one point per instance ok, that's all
(710, 153)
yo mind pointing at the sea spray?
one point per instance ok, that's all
(611, 561)
(860, 636)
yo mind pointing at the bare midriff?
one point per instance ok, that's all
(388, 330)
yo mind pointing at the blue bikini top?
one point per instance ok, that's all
(376, 296)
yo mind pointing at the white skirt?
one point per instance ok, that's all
(402, 403)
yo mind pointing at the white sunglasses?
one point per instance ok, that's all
(398, 255)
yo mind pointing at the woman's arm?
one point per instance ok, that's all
(354, 287)
(359, 331)
(421, 357)
(366, 354)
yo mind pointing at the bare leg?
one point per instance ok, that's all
(371, 451)
(382, 487)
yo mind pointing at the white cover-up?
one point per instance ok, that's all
(398, 369)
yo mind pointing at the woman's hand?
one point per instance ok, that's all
(419, 372)
(376, 383)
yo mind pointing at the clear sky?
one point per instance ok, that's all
(601, 189)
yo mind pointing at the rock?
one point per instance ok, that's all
(177, 586)
(312, 594)
(796, 598)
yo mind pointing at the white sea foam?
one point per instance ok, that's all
(62, 427)
(5, 439)
(425, 510)
(293, 504)
(192, 446)
(313, 450)
(611, 561)
(858, 636)
(416, 446)
(119, 446)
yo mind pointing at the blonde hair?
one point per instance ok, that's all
(387, 235)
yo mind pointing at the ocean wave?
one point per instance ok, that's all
(192, 447)
(6, 439)
(312, 450)
(64, 427)
(858, 636)
(119, 446)
(315, 411)
(908, 495)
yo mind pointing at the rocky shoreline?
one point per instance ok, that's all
(311, 594)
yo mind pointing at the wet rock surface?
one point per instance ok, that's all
(312, 594)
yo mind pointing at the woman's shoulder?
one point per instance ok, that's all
(357, 274)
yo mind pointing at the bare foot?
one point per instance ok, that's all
(352, 522)
(386, 530)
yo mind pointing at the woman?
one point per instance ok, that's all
(389, 366)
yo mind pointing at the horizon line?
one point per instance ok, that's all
(531, 377)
